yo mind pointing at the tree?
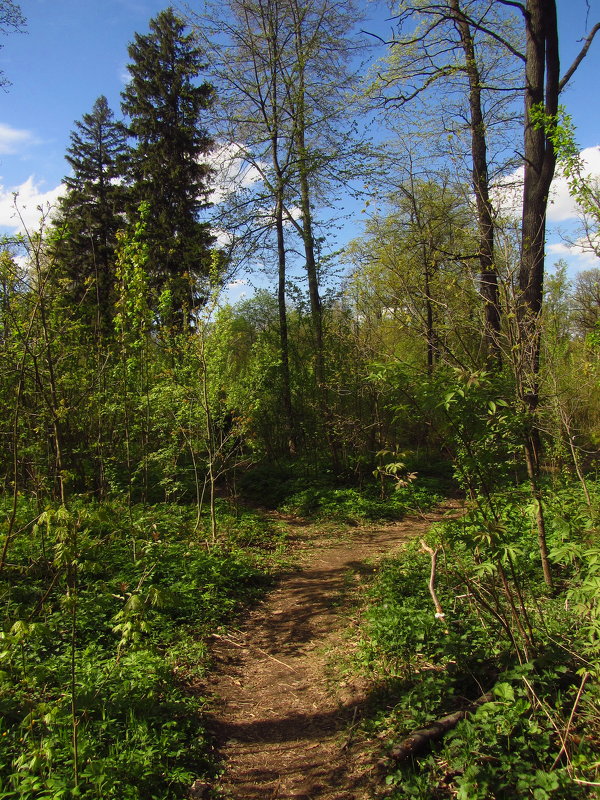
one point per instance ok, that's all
(543, 86)
(585, 309)
(409, 270)
(251, 69)
(318, 84)
(91, 213)
(283, 81)
(447, 44)
(540, 62)
(166, 164)
(11, 19)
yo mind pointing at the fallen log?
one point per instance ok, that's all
(420, 739)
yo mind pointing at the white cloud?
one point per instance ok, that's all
(235, 291)
(29, 207)
(12, 139)
(507, 195)
(232, 171)
(578, 254)
(562, 206)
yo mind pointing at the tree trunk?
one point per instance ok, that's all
(488, 282)
(305, 207)
(542, 86)
(286, 393)
(541, 91)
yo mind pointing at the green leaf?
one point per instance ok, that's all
(505, 692)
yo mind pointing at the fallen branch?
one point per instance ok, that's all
(439, 611)
(418, 740)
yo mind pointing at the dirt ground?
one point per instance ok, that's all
(285, 722)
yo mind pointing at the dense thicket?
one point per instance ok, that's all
(135, 397)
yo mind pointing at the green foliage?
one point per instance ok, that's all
(90, 214)
(147, 591)
(164, 105)
(560, 131)
(538, 737)
(354, 505)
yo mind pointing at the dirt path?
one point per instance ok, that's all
(284, 727)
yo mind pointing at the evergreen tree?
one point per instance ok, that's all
(92, 211)
(164, 104)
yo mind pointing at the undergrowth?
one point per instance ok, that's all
(502, 631)
(104, 613)
(353, 506)
(297, 488)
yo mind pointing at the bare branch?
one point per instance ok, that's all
(582, 54)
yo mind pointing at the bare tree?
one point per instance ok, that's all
(11, 21)
(285, 114)
(453, 54)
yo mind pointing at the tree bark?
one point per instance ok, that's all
(286, 393)
(542, 86)
(488, 281)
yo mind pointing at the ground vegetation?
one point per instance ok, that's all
(160, 443)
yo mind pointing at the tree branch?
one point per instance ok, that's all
(582, 54)
(418, 740)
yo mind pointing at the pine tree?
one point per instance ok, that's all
(164, 104)
(92, 211)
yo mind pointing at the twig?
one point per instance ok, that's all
(563, 748)
(283, 664)
(562, 738)
(260, 650)
(351, 729)
(420, 738)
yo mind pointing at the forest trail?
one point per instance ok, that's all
(284, 723)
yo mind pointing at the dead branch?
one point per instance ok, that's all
(420, 739)
(439, 611)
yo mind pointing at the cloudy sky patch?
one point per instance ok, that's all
(23, 207)
(13, 140)
(507, 195)
(579, 254)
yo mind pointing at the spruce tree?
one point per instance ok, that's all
(164, 104)
(91, 212)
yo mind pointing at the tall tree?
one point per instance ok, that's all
(167, 160)
(250, 57)
(406, 268)
(543, 86)
(91, 212)
(447, 45)
(539, 63)
(319, 88)
(586, 302)
(282, 66)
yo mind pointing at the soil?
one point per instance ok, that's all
(284, 715)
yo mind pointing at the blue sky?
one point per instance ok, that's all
(75, 50)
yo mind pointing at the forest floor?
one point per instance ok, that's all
(285, 707)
